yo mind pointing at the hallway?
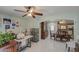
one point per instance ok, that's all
(47, 45)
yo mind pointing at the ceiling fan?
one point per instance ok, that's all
(30, 11)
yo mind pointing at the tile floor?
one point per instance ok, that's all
(47, 45)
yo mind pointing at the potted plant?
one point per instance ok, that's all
(6, 38)
(9, 37)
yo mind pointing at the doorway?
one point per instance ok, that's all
(62, 30)
(44, 31)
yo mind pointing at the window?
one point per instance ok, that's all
(52, 27)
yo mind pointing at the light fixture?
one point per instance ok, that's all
(30, 12)
(63, 27)
(62, 21)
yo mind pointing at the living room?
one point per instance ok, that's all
(26, 29)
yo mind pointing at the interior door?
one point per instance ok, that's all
(43, 30)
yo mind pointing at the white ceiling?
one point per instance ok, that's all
(47, 10)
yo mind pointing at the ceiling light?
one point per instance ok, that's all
(29, 14)
(31, 11)
(62, 21)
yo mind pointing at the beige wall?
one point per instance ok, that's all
(23, 23)
(65, 16)
(35, 23)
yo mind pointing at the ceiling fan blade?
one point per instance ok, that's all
(19, 10)
(24, 15)
(36, 13)
(33, 16)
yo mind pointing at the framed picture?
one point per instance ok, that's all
(6, 21)
(13, 26)
(17, 24)
(7, 26)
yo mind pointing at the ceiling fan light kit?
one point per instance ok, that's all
(30, 11)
